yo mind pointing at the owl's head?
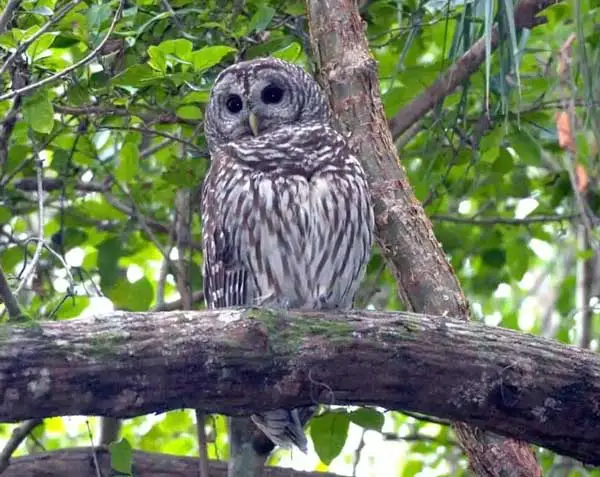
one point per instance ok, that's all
(255, 97)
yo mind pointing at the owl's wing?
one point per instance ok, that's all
(225, 278)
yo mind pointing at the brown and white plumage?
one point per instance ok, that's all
(287, 217)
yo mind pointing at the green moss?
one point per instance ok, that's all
(107, 345)
(287, 333)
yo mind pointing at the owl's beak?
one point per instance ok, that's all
(254, 125)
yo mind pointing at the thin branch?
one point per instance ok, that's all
(7, 14)
(18, 436)
(73, 67)
(31, 266)
(48, 185)
(536, 219)
(202, 444)
(103, 111)
(10, 302)
(23, 46)
(200, 151)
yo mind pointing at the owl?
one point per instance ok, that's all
(287, 215)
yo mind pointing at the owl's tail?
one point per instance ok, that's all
(285, 427)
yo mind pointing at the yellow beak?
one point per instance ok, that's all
(253, 121)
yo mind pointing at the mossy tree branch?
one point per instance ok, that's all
(235, 361)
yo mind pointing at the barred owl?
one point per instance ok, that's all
(287, 217)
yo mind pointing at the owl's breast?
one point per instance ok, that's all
(298, 241)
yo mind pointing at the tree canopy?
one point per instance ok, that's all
(102, 156)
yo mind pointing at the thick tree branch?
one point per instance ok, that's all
(78, 462)
(239, 361)
(425, 279)
(525, 17)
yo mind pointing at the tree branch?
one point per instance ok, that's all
(76, 463)
(7, 14)
(18, 436)
(525, 17)
(238, 361)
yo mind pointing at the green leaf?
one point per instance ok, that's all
(137, 76)
(289, 53)
(494, 257)
(109, 252)
(210, 56)
(504, 161)
(261, 19)
(135, 296)
(129, 159)
(526, 146)
(368, 418)
(121, 457)
(328, 432)
(72, 307)
(180, 48)
(38, 112)
(40, 45)
(5, 215)
(189, 111)
(411, 468)
(158, 59)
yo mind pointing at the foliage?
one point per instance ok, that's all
(119, 143)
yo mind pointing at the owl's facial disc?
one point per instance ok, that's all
(259, 96)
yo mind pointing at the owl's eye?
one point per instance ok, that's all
(272, 94)
(234, 103)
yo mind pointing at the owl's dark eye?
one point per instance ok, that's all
(272, 94)
(234, 103)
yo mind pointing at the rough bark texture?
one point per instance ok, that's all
(238, 361)
(426, 281)
(79, 462)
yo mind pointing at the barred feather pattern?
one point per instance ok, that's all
(287, 222)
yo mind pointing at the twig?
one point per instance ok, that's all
(94, 456)
(358, 452)
(181, 29)
(202, 152)
(10, 302)
(30, 184)
(536, 219)
(56, 255)
(18, 436)
(30, 269)
(7, 14)
(162, 117)
(23, 46)
(202, 443)
(73, 67)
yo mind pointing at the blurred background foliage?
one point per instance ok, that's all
(507, 168)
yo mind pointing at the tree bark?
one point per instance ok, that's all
(238, 361)
(425, 279)
(79, 462)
